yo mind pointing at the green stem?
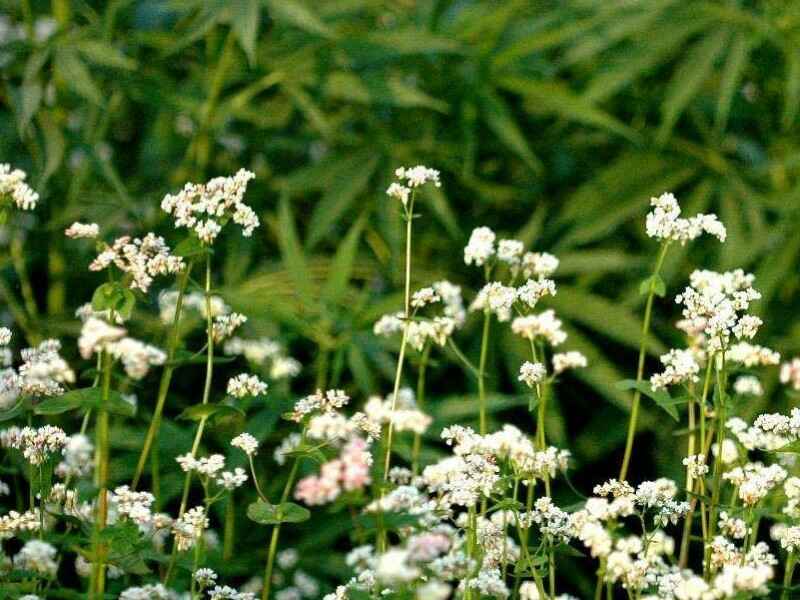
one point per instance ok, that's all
(719, 409)
(423, 364)
(166, 377)
(791, 561)
(401, 358)
(97, 583)
(276, 531)
(487, 319)
(637, 396)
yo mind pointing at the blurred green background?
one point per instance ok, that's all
(552, 122)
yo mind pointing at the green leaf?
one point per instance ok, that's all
(731, 75)
(85, 398)
(688, 77)
(245, 20)
(548, 97)
(500, 120)
(349, 182)
(657, 283)
(190, 246)
(271, 514)
(75, 75)
(792, 94)
(199, 412)
(103, 54)
(291, 250)
(13, 412)
(115, 297)
(661, 397)
(342, 266)
(793, 448)
(297, 14)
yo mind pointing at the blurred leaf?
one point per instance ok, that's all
(245, 18)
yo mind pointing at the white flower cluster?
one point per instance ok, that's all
(82, 230)
(329, 401)
(438, 328)
(246, 443)
(245, 384)
(189, 528)
(12, 183)
(224, 325)
(532, 373)
(42, 373)
(665, 223)
(680, 367)
(790, 373)
(714, 302)
(206, 208)
(565, 361)
(36, 444)
(140, 258)
(406, 416)
(544, 326)
(410, 178)
(136, 357)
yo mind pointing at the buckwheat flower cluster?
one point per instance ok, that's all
(751, 355)
(480, 247)
(133, 505)
(194, 301)
(754, 481)
(565, 361)
(205, 577)
(510, 252)
(78, 457)
(532, 373)
(680, 367)
(14, 523)
(82, 230)
(406, 416)
(206, 208)
(715, 302)
(225, 592)
(410, 178)
(732, 527)
(539, 265)
(748, 385)
(246, 385)
(36, 444)
(189, 528)
(790, 373)
(665, 223)
(423, 297)
(534, 290)
(543, 326)
(142, 259)
(349, 472)
(246, 443)
(37, 556)
(438, 328)
(224, 325)
(154, 591)
(328, 401)
(12, 184)
(696, 465)
(136, 356)
(497, 298)
(42, 373)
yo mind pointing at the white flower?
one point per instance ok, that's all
(510, 251)
(141, 258)
(480, 247)
(37, 556)
(423, 297)
(12, 183)
(748, 385)
(224, 325)
(790, 373)
(532, 373)
(418, 176)
(544, 325)
(82, 230)
(680, 367)
(534, 290)
(568, 360)
(203, 207)
(246, 385)
(665, 223)
(246, 442)
(399, 192)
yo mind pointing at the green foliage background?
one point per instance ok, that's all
(551, 121)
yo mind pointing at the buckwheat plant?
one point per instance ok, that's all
(476, 514)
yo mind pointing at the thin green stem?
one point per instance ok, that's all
(166, 377)
(487, 319)
(719, 417)
(417, 447)
(98, 579)
(276, 531)
(401, 358)
(637, 395)
(791, 562)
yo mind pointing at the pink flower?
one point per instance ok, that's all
(349, 472)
